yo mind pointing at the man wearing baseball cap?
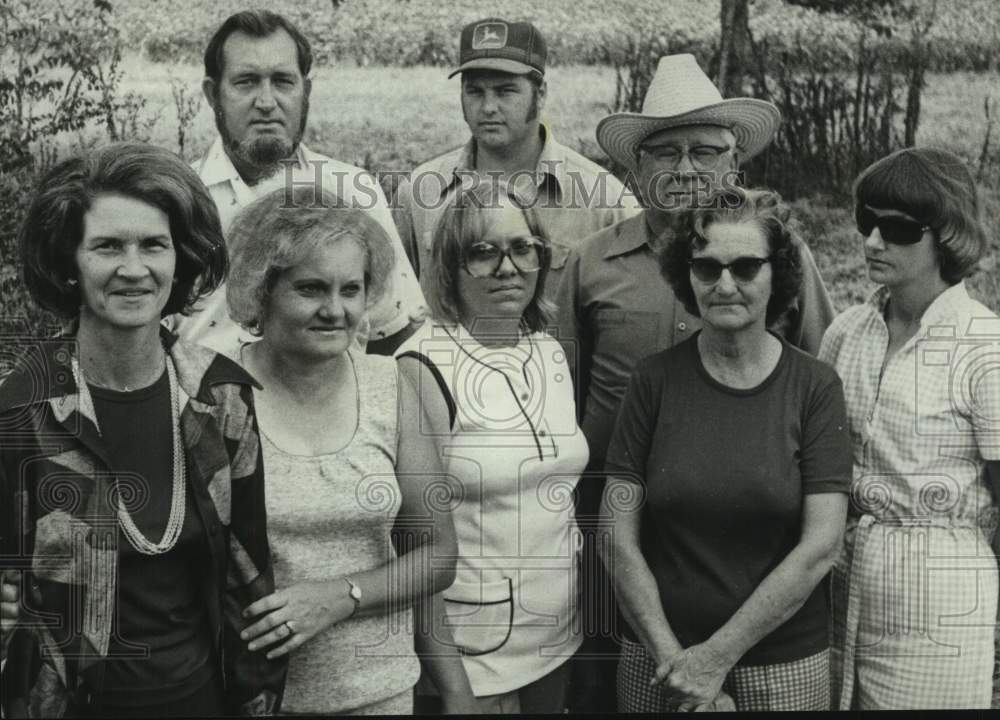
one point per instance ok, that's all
(615, 307)
(503, 93)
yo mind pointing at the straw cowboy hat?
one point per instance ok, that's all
(681, 94)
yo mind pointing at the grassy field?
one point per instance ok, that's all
(388, 118)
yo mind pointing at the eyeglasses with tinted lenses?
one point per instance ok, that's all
(483, 259)
(894, 230)
(702, 157)
(743, 269)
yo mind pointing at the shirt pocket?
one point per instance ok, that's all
(625, 336)
(480, 615)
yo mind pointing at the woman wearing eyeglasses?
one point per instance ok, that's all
(500, 400)
(915, 592)
(727, 477)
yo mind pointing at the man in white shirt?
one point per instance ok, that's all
(256, 81)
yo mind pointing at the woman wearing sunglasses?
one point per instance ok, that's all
(915, 592)
(499, 396)
(727, 478)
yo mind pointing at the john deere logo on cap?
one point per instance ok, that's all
(489, 36)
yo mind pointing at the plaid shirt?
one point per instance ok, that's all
(59, 525)
(923, 425)
(922, 428)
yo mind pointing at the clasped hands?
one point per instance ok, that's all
(692, 679)
(294, 616)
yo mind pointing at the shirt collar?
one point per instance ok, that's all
(630, 235)
(943, 308)
(216, 167)
(551, 161)
(44, 372)
(878, 299)
(947, 305)
(479, 353)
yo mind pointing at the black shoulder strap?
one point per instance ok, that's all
(448, 399)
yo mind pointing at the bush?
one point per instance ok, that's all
(845, 102)
(60, 75)
(19, 312)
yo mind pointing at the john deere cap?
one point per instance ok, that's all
(494, 44)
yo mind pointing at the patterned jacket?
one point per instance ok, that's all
(59, 526)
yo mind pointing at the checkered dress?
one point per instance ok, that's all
(915, 592)
(798, 685)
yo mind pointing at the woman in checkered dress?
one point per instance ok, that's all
(727, 478)
(915, 591)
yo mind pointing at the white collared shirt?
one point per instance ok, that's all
(210, 324)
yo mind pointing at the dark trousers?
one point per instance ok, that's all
(592, 685)
(208, 701)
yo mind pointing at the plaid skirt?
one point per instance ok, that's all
(798, 685)
(914, 610)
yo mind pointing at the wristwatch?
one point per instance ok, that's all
(355, 593)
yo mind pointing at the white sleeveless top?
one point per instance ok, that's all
(516, 452)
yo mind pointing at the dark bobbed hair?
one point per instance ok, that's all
(279, 230)
(936, 188)
(53, 228)
(761, 208)
(258, 24)
(464, 223)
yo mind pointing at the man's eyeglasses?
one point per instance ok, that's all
(702, 157)
(743, 269)
(483, 259)
(894, 230)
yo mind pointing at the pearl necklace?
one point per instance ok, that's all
(175, 521)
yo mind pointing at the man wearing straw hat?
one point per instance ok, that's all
(503, 92)
(614, 306)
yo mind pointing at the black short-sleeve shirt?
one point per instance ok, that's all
(725, 471)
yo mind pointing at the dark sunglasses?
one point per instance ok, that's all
(743, 269)
(894, 230)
